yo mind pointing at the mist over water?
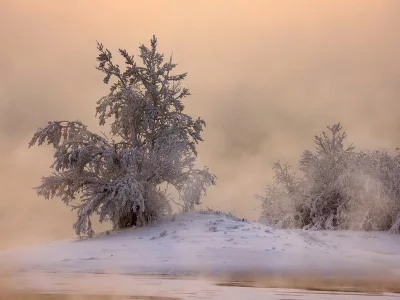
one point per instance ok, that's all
(265, 75)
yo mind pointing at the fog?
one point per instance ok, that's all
(265, 75)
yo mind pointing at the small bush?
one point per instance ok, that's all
(336, 188)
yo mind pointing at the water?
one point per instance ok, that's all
(60, 286)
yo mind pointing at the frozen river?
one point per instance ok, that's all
(152, 287)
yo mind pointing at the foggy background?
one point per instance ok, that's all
(265, 75)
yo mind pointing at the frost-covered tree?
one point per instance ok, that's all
(124, 178)
(336, 188)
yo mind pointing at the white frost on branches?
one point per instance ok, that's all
(152, 144)
(338, 189)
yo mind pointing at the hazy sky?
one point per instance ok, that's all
(265, 75)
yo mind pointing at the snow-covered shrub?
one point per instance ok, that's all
(280, 200)
(337, 188)
(123, 178)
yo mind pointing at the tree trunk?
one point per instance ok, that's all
(128, 219)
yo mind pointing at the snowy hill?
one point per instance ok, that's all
(214, 243)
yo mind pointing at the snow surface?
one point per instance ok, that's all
(213, 243)
(209, 243)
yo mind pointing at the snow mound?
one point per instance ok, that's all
(213, 243)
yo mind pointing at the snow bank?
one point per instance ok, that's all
(213, 243)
